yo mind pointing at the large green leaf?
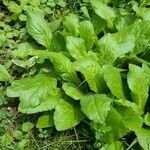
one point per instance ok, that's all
(58, 42)
(113, 79)
(98, 23)
(92, 73)
(22, 50)
(64, 67)
(76, 47)
(131, 118)
(96, 107)
(71, 24)
(38, 28)
(4, 75)
(36, 94)
(143, 137)
(140, 30)
(104, 11)
(107, 50)
(72, 91)
(115, 127)
(110, 48)
(67, 115)
(87, 33)
(143, 12)
(126, 45)
(138, 84)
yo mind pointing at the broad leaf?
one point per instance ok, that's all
(38, 28)
(98, 23)
(67, 115)
(116, 128)
(96, 107)
(92, 73)
(64, 67)
(22, 50)
(103, 11)
(126, 45)
(139, 85)
(143, 12)
(45, 120)
(4, 75)
(107, 49)
(36, 93)
(76, 47)
(58, 42)
(71, 24)
(143, 137)
(87, 33)
(27, 126)
(140, 30)
(131, 119)
(110, 48)
(147, 119)
(25, 63)
(146, 69)
(113, 79)
(72, 91)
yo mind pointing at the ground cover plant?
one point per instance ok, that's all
(75, 74)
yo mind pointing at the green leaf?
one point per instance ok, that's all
(107, 49)
(98, 23)
(76, 47)
(131, 119)
(72, 91)
(67, 115)
(27, 126)
(87, 33)
(14, 7)
(64, 67)
(113, 79)
(58, 42)
(25, 63)
(23, 50)
(147, 119)
(92, 73)
(138, 84)
(71, 24)
(104, 11)
(4, 75)
(36, 94)
(143, 137)
(140, 30)
(143, 12)
(116, 126)
(126, 45)
(18, 135)
(45, 120)
(85, 11)
(24, 143)
(38, 28)
(6, 139)
(146, 69)
(117, 145)
(96, 107)
(110, 48)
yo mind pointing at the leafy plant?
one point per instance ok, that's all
(93, 68)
